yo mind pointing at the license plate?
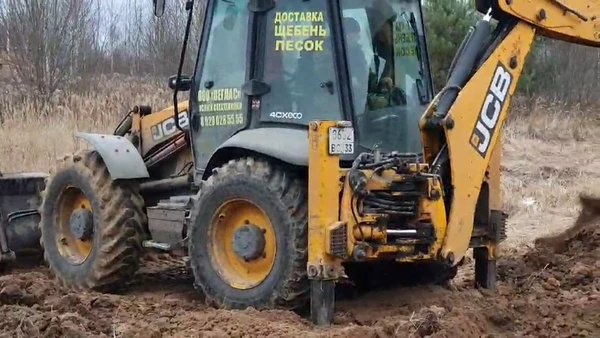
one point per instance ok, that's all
(341, 141)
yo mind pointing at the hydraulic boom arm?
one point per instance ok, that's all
(462, 126)
(568, 20)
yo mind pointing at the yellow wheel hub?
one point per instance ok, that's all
(75, 226)
(242, 243)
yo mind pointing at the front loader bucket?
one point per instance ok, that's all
(19, 217)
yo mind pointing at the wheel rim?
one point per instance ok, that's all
(74, 233)
(242, 243)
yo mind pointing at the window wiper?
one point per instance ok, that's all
(413, 26)
(412, 21)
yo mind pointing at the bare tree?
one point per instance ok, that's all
(164, 36)
(563, 72)
(46, 39)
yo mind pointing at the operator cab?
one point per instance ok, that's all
(286, 63)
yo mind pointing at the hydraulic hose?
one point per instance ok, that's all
(464, 66)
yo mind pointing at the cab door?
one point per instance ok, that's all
(300, 64)
(218, 108)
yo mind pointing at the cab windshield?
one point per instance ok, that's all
(389, 70)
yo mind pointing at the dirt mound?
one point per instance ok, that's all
(556, 286)
(551, 291)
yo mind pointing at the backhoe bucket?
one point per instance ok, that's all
(19, 217)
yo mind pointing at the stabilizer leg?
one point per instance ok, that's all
(485, 268)
(322, 301)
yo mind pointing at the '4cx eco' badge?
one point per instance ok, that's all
(491, 109)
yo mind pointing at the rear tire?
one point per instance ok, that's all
(111, 254)
(275, 275)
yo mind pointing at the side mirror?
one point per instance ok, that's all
(185, 83)
(159, 8)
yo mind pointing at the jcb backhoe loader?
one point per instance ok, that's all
(316, 150)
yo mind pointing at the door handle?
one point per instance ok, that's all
(328, 85)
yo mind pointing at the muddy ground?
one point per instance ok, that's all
(540, 294)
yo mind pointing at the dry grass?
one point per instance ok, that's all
(33, 135)
(550, 157)
(550, 154)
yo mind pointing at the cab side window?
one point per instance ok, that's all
(225, 63)
(299, 64)
(219, 102)
(224, 70)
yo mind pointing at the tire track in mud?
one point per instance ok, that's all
(541, 293)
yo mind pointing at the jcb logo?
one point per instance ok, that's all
(489, 115)
(167, 127)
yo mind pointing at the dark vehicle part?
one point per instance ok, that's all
(19, 217)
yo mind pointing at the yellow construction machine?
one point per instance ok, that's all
(311, 149)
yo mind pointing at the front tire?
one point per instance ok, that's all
(92, 226)
(248, 237)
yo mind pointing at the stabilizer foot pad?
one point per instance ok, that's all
(485, 269)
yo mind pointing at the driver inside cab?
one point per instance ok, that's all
(356, 56)
(372, 80)
(387, 93)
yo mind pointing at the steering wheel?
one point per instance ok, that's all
(388, 118)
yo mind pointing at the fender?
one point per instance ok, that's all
(287, 145)
(120, 156)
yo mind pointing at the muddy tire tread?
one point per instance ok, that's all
(122, 225)
(293, 291)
